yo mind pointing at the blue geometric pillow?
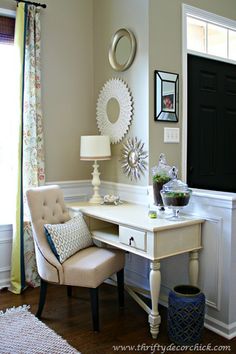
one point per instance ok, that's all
(68, 238)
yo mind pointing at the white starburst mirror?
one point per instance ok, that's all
(114, 109)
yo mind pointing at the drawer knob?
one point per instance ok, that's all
(130, 240)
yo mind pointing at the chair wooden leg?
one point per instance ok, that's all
(95, 308)
(42, 297)
(120, 287)
(69, 291)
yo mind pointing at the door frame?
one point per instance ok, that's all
(188, 10)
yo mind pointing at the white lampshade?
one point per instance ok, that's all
(95, 147)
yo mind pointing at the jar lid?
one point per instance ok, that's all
(175, 185)
(162, 169)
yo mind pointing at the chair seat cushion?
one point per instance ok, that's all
(68, 238)
(91, 266)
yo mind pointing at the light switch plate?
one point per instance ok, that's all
(171, 135)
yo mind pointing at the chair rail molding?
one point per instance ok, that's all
(128, 192)
(74, 191)
(81, 189)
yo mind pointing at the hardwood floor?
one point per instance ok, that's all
(71, 318)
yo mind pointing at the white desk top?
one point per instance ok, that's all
(133, 215)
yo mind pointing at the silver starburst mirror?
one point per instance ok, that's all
(133, 158)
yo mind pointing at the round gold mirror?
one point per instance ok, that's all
(122, 50)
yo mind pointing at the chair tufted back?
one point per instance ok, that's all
(47, 206)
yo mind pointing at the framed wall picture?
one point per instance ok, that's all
(166, 91)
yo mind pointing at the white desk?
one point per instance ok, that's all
(128, 227)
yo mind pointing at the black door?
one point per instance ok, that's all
(211, 151)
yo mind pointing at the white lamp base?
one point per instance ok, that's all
(96, 198)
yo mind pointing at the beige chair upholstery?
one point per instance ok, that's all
(87, 268)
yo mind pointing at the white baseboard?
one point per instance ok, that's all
(5, 277)
(227, 331)
(5, 283)
(5, 255)
(216, 326)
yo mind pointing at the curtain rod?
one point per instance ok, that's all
(32, 3)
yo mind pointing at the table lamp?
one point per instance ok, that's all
(95, 148)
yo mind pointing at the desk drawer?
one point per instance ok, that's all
(133, 238)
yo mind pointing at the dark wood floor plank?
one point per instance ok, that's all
(71, 318)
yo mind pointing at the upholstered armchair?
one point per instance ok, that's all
(88, 267)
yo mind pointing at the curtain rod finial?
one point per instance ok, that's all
(31, 3)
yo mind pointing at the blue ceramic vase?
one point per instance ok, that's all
(186, 313)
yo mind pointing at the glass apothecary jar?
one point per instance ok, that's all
(160, 176)
(175, 194)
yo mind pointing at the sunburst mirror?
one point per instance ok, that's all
(114, 110)
(133, 158)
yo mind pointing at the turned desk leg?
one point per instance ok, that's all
(155, 283)
(193, 267)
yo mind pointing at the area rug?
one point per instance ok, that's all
(22, 333)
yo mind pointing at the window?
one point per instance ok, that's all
(217, 40)
(7, 28)
(7, 126)
(211, 38)
(196, 35)
(232, 45)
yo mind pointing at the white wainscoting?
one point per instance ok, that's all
(81, 190)
(217, 260)
(5, 255)
(74, 191)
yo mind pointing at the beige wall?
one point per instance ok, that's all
(6, 4)
(165, 44)
(109, 16)
(75, 40)
(67, 84)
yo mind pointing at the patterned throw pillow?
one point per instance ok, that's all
(68, 238)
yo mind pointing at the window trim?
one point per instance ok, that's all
(206, 54)
(7, 13)
(209, 17)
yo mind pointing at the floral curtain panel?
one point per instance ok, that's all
(30, 145)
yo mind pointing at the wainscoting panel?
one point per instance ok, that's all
(210, 262)
(5, 255)
(137, 271)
